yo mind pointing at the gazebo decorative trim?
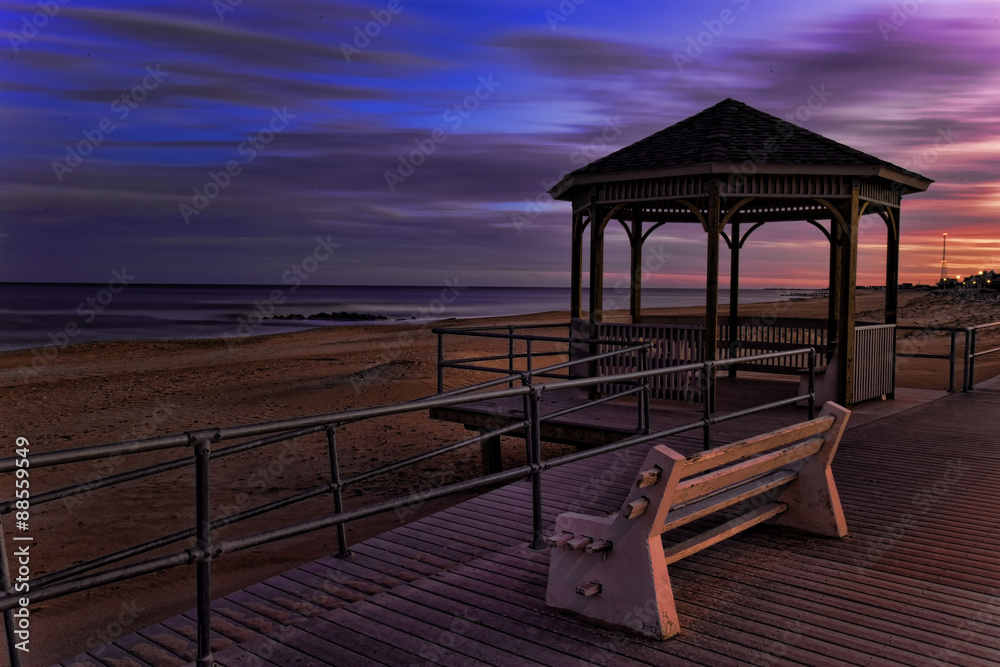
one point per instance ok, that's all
(727, 166)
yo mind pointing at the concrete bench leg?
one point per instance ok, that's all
(813, 501)
(627, 587)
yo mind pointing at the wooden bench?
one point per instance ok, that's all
(613, 569)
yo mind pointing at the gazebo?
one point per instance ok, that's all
(732, 168)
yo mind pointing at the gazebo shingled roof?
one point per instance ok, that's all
(734, 133)
(729, 164)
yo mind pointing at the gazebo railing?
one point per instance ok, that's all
(669, 346)
(874, 361)
(760, 335)
(755, 335)
(678, 340)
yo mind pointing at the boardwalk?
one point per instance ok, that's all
(914, 584)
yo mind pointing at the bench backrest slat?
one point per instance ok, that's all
(678, 516)
(709, 482)
(743, 448)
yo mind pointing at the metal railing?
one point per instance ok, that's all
(969, 355)
(951, 357)
(511, 334)
(203, 444)
(972, 354)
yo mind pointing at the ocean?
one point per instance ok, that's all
(42, 315)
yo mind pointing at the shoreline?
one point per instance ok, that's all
(104, 392)
(43, 317)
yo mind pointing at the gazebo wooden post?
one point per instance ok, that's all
(892, 279)
(848, 284)
(576, 270)
(596, 314)
(734, 291)
(596, 266)
(835, 293)
(712, 286)
(635, 279)
(892, 266)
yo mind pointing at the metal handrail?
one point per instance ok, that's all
(950, 357)
(203, 440)
(971, 353)
(500, 327)
(507, 333)
(969, 356)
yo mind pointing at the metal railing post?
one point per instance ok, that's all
(951, 364)
(706, 395)
(338, 492)
(8, 615)
(644, 417)
(972, 360)
(535, 427)
(812, 383)
(440, 362)
(510, 354)
(966, 385)
(203, 454)
(527, 348)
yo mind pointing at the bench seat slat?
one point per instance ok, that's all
(717, 479)
(721, 532)
(704, 507)
(743, 448)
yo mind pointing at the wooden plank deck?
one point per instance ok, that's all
(916, 583)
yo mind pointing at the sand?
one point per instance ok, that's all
(106, 392)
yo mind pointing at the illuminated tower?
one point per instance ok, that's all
(944, 256)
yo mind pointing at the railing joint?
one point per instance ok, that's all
(209, 435)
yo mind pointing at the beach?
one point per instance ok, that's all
(105, 392)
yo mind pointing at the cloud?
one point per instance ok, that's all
(325, 173)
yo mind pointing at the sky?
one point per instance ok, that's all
(411, 142)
